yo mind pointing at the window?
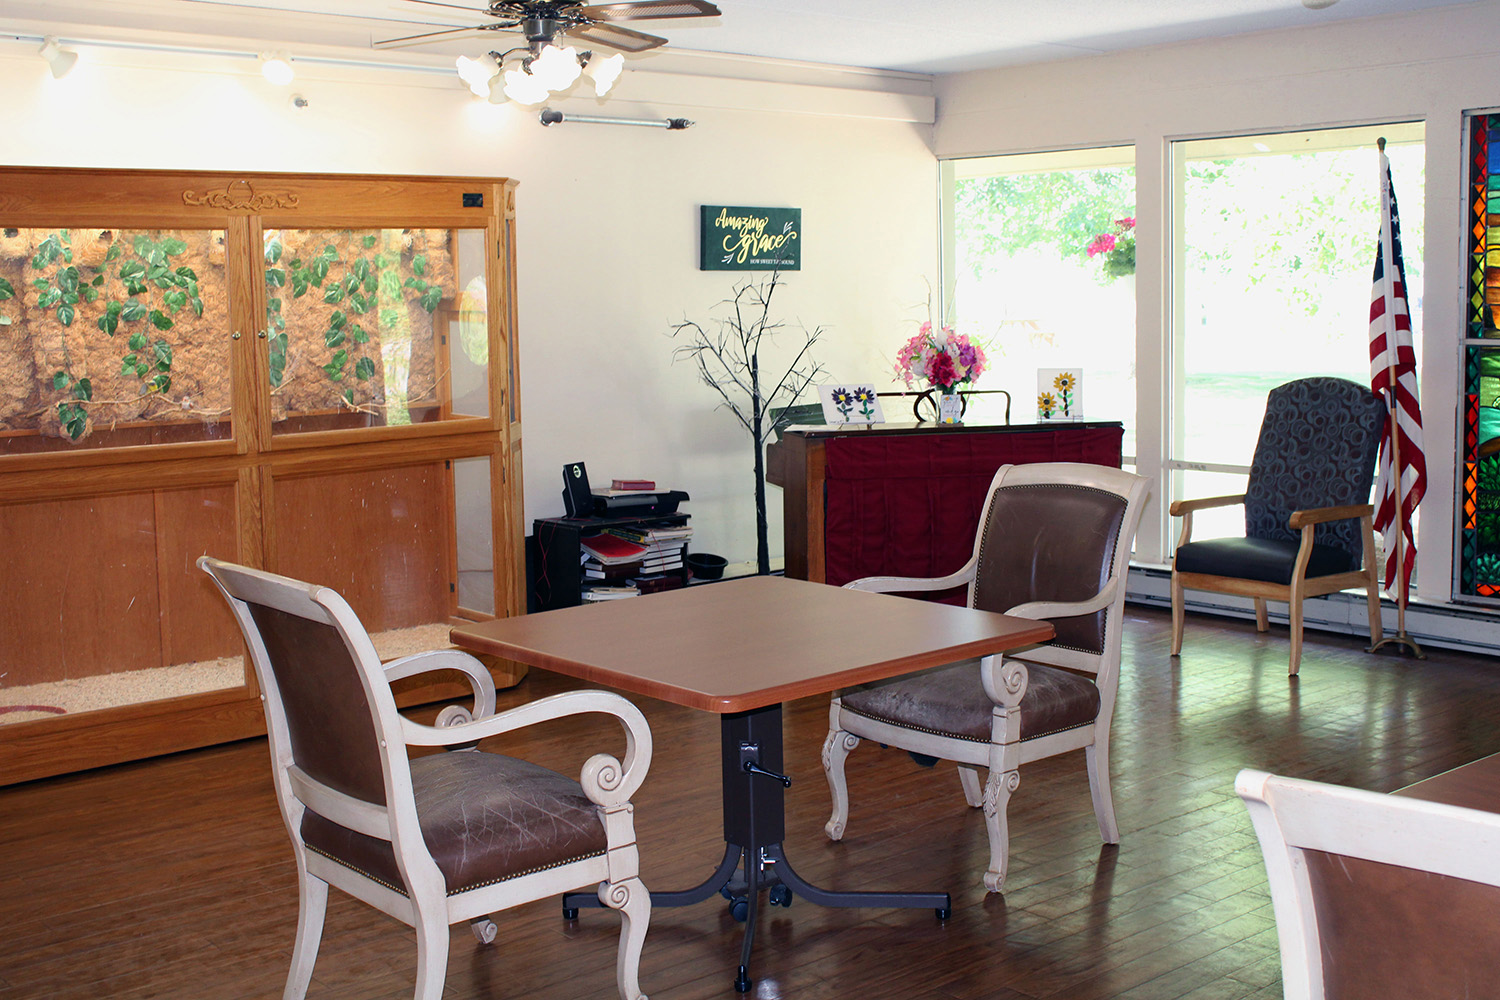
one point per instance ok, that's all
(1026, 272)
(1273, 253)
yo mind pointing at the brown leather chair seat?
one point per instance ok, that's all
(950, 701)
(485, 817)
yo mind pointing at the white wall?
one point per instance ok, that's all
(1429, 66)
(607, 219)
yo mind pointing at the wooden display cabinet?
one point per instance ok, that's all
(313, 374)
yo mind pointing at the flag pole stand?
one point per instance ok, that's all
(1400, 639)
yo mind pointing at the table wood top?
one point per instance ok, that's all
(748, 643)
(1474, 786)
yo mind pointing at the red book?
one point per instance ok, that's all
(633, 484)
(612, 549)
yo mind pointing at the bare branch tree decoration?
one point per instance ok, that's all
(727, 356)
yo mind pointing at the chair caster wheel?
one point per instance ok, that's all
(739, 909)
(484, 930)
(780, 895)
(943, 912)
(724, 891)
(742, 981)
(570, 913)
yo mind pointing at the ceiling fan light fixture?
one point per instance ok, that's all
(523, 88)
(276, 67)
(58, 59)
(604, 72)
(557, 67)
(477, 74)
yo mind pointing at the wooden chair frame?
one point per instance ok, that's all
(1292, 817)
(1301, 587)
(426, 905)
(1005, 678)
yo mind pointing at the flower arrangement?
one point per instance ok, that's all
(1117, 248)
(942, 360)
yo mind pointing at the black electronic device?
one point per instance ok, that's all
(578, 499)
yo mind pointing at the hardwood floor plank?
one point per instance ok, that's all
(172, 878)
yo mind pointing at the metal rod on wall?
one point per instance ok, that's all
(550, 117)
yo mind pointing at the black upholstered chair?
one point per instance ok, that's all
(441, 838)
(1054, 542)
(1307, 513)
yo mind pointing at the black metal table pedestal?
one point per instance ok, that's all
(754, 826)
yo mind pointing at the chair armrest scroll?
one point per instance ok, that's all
(449, 659)
(612, 783)
(1067, 609)
(914, 584)
(1004, 680)
(1321, 515)
(1180, 507)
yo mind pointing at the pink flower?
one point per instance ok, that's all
(1126, 223)
(1103, 243)
(941, 371)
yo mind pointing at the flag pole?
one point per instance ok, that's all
(1393, 409)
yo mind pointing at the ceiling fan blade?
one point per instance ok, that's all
(616, 37)
(388, 43)
(454, 6)
(644, 10)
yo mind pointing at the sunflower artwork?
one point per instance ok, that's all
(850, 403)
(1059, 394)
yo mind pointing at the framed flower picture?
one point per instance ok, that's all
(1059, 394)
(850, 403)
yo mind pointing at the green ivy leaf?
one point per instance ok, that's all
(319, 270)
(65, 314)
(138, 341)
(275, 277)
(363, 369)
(388, 318)
(70, 298)
(141, 368)
(330, 252)
(161, 383)
(333, 338)
(431, 298)
(372, 283)
(132, 269)
(273, 251)
(419, 265)
(98, 281)
(112, 254)
(127, 364)
(67, 279)
(368, 241)
(7, 290)
(187, 273)
(83, 389)
(49, 298)
(134, 311)
(163, 352)
(175, 299)
(333, 294)
(360, 270)
(416, 283)
(172, 246)
(338, 319)
(60, 380)
(197, 305)
(349, 396)
(160, 320)
(358, 304)
(90, 293)
(300, 281)
(335, 367)
(360, 336)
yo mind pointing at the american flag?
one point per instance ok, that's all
(1393, 375)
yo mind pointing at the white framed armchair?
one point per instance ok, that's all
(1054, 542)
(437, 839)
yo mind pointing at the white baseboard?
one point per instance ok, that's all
(1442, 626)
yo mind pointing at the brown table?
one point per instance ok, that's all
(739, 649)
(1475, 785)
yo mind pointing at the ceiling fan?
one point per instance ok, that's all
(542, 21)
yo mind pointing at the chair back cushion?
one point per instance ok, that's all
(1317, 448)
(330, 725)
(1050, 542)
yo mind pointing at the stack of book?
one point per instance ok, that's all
(664, 547)
(609, 558)
(594, 595)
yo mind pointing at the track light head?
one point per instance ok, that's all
(60, 60)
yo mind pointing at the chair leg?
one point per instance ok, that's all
(973, 790)
(1262, 620)
(634, 903)
(432, 952)
(835, 749)
(998, 789)
(1295, 616)
(1177, 615)
(312, 904)
(1097, 756)
(1372, 599)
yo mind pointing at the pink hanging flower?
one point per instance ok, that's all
(1103, 243)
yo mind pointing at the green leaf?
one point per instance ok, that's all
(319, 270)
(330, 252)
(273, 251)
(175, 299)
(160, 320)
(363, 369)
(388, 318)
(275, 277)
(197, 305)
(368, 241)
(49, 298)
(360, 270)
(188, 273)
(419, 265)
(338, 319)
(372, 283)
(65, 314)
(7, 290)
(113, 253)
(132, 269)
(137, 341)
(70, 298)
(381, 261)
(98, 280)
(163, 352)
(333, 338)
(358, 304)
(416, 283)
(60, 380)
(127, 364)
(349, 396)
(83, 389)
(161, 383)
(360, 336)
(90, 293)
(300, 282)
(141, 368)
(172, 246)
(431, 298)
(335, 367)
(134, 311)
(333, 294)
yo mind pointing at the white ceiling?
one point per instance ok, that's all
(923, 36)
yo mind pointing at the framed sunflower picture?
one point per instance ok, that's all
(850, 403)
(1059, 394)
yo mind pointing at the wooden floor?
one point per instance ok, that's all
(173, 879)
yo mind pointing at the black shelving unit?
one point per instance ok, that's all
(554, 573)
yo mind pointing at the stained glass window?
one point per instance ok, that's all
(1478, 562)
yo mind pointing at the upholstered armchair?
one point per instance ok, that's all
(1307, 516)
(1054, 542)
(1377, 895)
(436, 839)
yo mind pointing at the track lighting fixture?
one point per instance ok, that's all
(60, 60)
(276, 67)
